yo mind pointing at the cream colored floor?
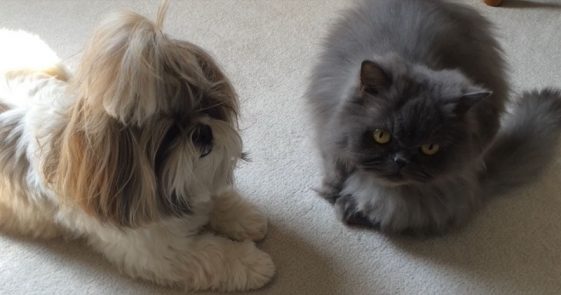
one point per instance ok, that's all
(267, 47)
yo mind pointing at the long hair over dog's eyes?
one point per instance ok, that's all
(165, 145)
(172, 133)
(381, 136)
(202, 138)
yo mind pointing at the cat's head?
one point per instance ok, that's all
(407, 123)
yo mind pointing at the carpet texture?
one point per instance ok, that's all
(267, 47)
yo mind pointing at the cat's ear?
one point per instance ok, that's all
(373, 78)
(460, 105)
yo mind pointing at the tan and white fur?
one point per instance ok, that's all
(134, 152)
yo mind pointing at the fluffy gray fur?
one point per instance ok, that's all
(427, 72)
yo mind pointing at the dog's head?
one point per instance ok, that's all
(153, 126)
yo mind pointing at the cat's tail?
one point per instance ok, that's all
(526, 142)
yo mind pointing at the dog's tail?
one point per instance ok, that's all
(23, 53)
(527, 141)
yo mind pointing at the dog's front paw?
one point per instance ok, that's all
(251, 225)
(238, 219)
(214, 263)
(249, 268)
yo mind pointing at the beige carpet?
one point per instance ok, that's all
(267, 47)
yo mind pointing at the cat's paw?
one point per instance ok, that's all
(347, 211)
(237, 219)
(329, 191)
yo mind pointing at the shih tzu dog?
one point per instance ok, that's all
(134, 152)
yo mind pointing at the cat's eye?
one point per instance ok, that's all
(382, 136)
(430, 149)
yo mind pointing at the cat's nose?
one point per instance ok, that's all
(400, 160)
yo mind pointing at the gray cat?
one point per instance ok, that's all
(408, 102)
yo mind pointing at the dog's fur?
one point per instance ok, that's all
(134, 152)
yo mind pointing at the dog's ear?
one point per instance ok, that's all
(103, 171)
(122, 68)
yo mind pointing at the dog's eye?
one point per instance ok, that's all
(202, 138)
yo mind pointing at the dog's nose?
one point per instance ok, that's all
(400, 160)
